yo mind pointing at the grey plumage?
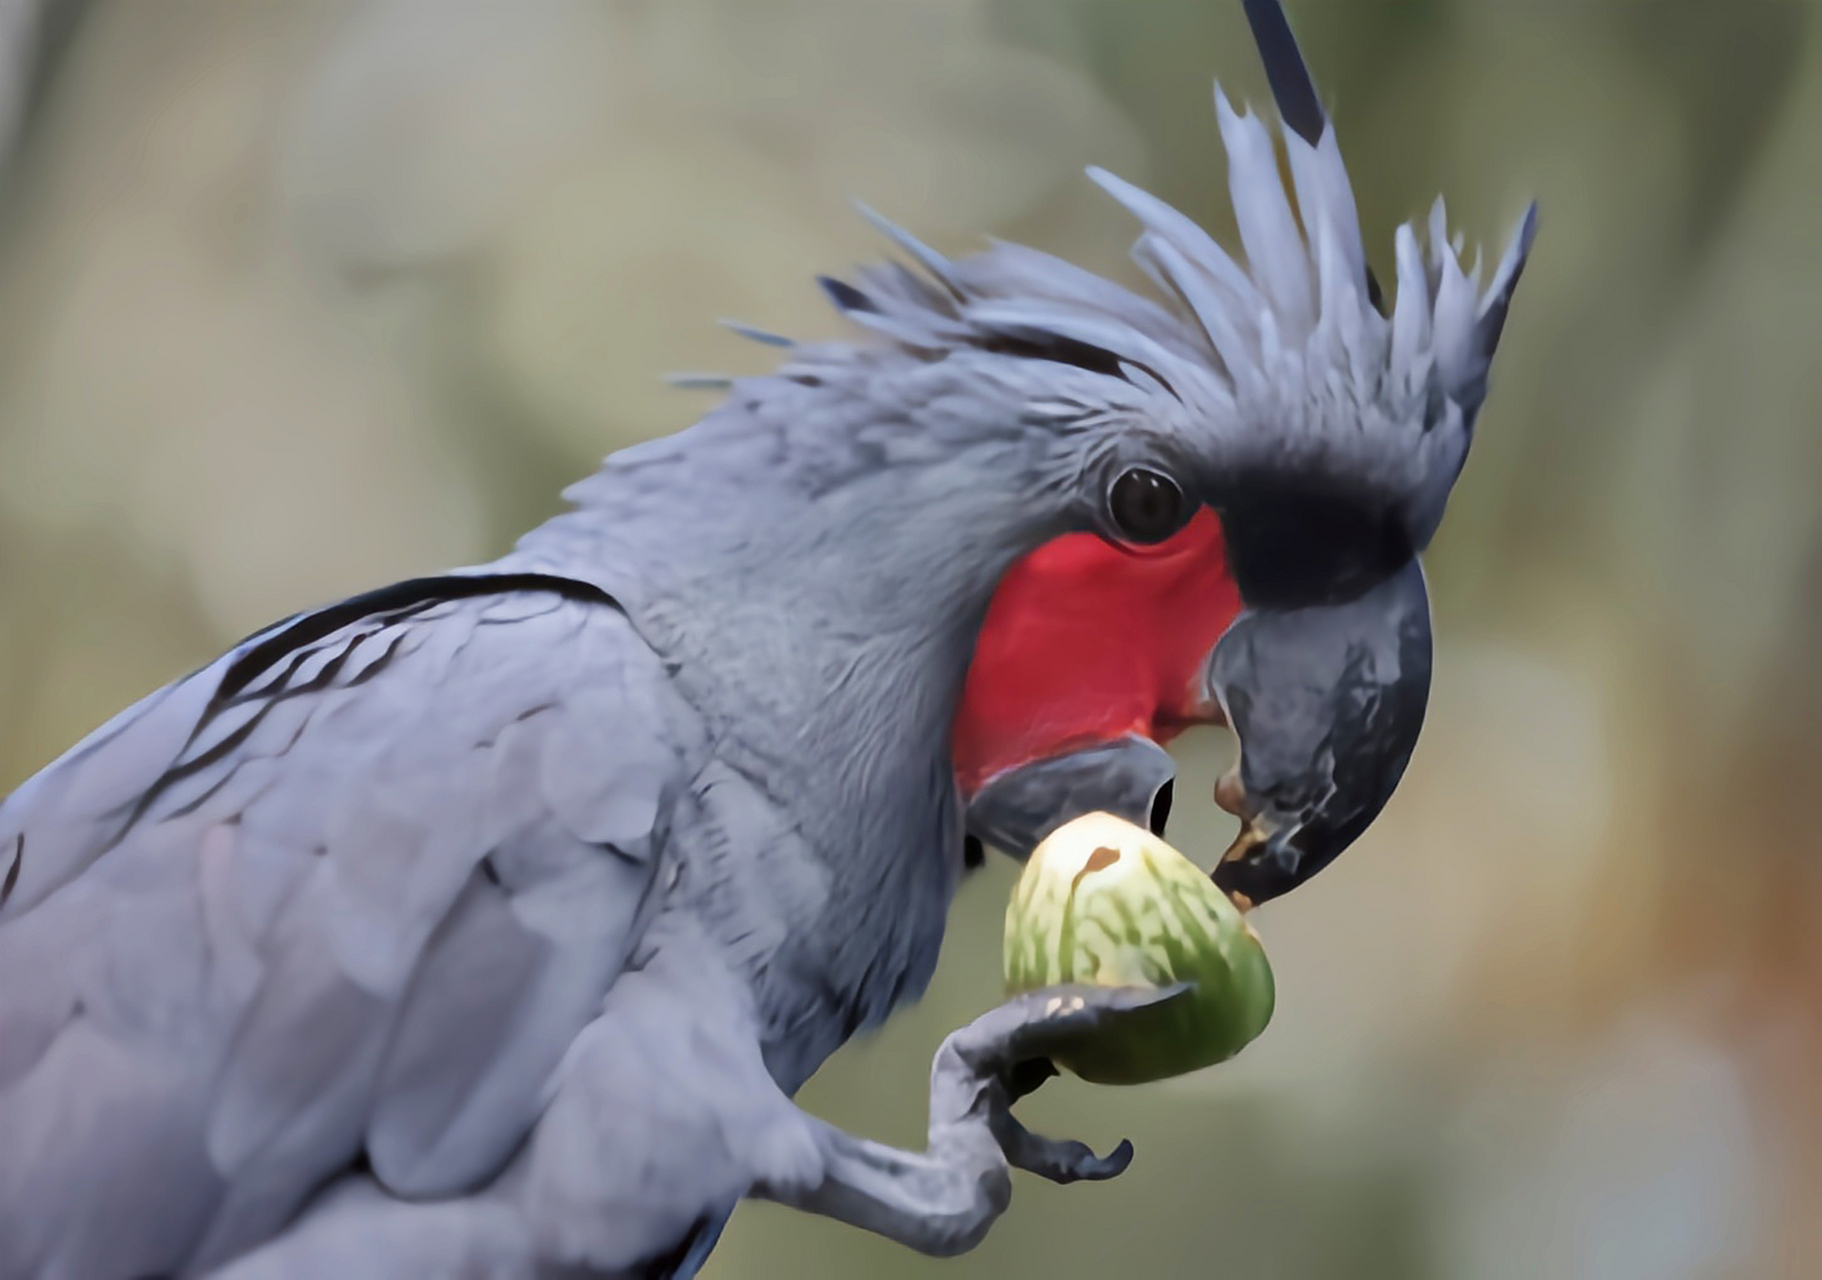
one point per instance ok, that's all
(486, 925)
(277, 949)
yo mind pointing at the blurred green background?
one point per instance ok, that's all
(297, 297)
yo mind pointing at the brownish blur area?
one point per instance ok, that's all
(301, 296)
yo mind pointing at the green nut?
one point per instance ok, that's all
(1105, 903)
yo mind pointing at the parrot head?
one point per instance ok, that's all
(1133, 514)
(1277, 591)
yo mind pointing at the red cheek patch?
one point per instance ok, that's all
(1085, 642)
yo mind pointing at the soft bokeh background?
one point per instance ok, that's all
(299, 296)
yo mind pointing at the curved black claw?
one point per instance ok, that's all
(1061, 1162)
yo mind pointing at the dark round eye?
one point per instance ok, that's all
(1146, 506)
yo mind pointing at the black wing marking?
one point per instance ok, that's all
(402, 599)
(295, 637)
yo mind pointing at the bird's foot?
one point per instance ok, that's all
(943, 1200)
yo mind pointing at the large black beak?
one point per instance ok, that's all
(1327, 702)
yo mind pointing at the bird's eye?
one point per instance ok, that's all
(1146, 506)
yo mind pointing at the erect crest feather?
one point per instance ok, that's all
(1288, 354)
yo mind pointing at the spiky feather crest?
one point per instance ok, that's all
(1286, 354)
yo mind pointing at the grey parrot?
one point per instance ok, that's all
(486, 924)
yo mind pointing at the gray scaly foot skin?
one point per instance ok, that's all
(943, 1200)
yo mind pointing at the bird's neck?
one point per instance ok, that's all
(824, 633)
(819, 593)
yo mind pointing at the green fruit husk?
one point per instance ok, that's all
(1105, 903)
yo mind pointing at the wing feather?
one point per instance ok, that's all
(358, 884)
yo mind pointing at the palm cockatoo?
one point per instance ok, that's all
(485, 925)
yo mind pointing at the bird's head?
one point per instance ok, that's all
(1287, 442)
(1143, 514)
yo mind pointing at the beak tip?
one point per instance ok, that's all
(1327, 703)
(1263, 864)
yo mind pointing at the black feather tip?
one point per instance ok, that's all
(844, 295)
(1292, 88)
